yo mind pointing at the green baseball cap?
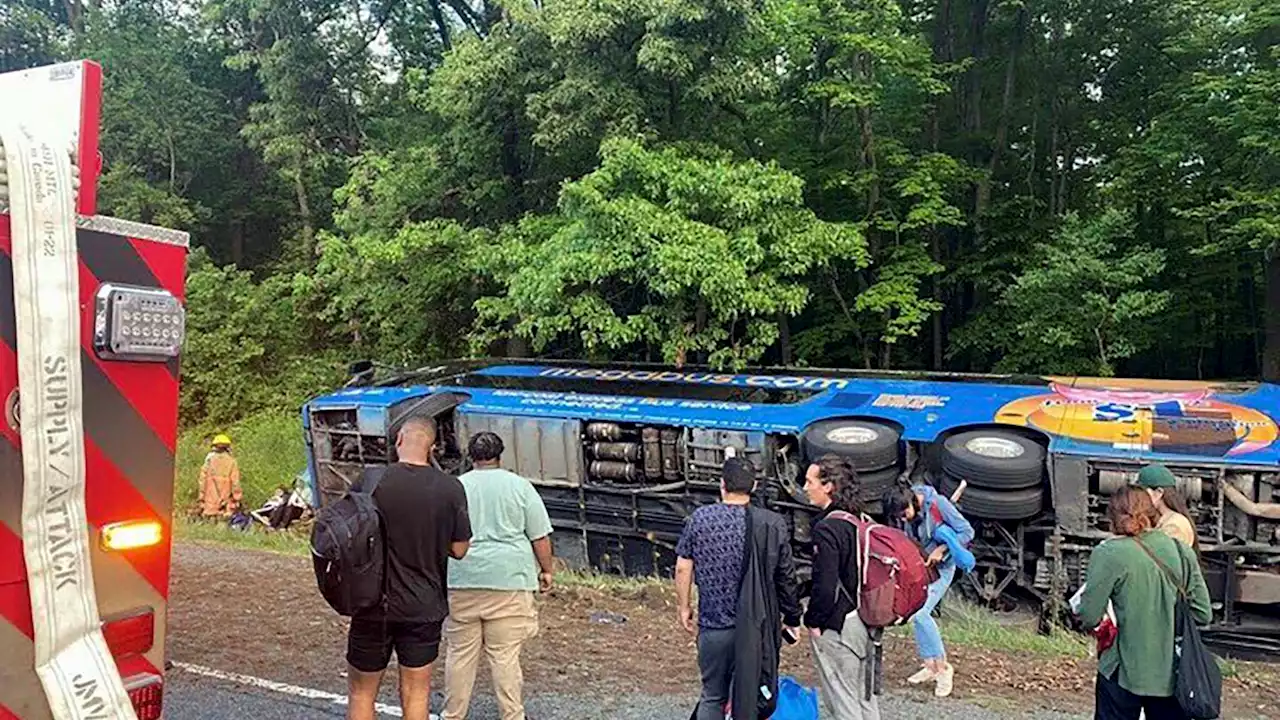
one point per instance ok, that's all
(1156, 476)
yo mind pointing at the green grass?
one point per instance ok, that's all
(610, 583)
(288, 542)
(268, 446)
(964, 623)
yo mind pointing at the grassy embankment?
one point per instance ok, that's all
(270, 450)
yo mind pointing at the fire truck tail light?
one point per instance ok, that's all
(137, 323)
(131, 634)
(147, 694)
(132, 535)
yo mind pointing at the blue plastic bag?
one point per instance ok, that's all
(961, 554)
(795, 701)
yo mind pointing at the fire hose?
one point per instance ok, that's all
(72, 660)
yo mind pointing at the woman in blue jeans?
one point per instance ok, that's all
(933, 521)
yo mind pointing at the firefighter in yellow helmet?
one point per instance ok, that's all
(220, 492)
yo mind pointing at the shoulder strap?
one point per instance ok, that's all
(369, 479)
(842, 515)
(1182, 592)
(862, 548)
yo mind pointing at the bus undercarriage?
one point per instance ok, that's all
(619, 492)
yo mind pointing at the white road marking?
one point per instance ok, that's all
(284, 688)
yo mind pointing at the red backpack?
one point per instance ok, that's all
(895, 576)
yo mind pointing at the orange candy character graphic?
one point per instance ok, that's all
(1151, 416)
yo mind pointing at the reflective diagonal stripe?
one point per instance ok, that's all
(20, 689)
(168, 264)
(111, 498)
(10, 502)
(7, 714)
(8, 324)
(15, 599)
(126, 440)
(113, 258)
(122, 589)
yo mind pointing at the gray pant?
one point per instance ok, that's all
(842, 660)
(715, 660)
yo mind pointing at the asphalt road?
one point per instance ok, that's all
(190, 696)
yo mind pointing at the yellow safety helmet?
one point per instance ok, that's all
(221, 440)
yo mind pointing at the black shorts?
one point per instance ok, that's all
(370, 642)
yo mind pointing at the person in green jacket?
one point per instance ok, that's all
(1136, 672)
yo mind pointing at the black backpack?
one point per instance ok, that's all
(1197, 681)
(348, 550)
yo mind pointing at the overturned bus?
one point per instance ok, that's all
(622, 454)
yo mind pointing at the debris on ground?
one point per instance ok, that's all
(604, 617)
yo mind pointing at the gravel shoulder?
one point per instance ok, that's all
(258, 613)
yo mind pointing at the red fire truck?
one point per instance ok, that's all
(91, 322)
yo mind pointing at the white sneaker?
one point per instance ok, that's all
(921, 677)
(946, 679)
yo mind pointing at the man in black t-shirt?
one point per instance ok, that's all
(424, 513)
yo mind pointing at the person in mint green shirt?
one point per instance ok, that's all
(491, 590)
(1136, 672)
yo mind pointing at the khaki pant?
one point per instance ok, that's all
(498, 622)
(842, 660)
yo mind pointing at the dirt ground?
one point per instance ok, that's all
(259, 614)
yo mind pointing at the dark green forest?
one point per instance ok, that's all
(980, 185)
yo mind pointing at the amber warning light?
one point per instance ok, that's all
(132, 535)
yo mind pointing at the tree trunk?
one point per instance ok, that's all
(699, 325)
(517, 346)
(173, 163)
(512, 164)
(75, 15)
(442, 26)
(1255, 322)
(1054, 168)
(1001, 138)
(935, 251)
(1055, 122)
(982, 195)
(943, 51)
(886, 348)
(304, 215)
(237, 243)
(868, 139)
(784, 339)
(1068, 163)
(1271, 355)
(977, 48)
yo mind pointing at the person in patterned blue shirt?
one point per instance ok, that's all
(711, 551)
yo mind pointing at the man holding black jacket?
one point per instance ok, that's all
(740, 556)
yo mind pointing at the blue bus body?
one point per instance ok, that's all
(1094, 434)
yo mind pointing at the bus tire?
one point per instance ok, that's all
(996, 504)
(869, 445)
(994, 460)
(873, 485)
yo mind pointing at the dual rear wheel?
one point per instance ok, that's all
(1004, 470)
